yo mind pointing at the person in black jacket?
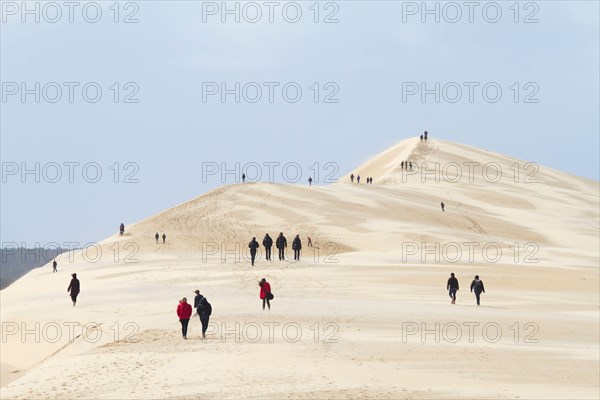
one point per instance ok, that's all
(452, 287)
(204, 310)
(281, 244)
(74, 288)
(297, 246)
(156, 237)
(54, 265)
(268, 243)
(253, 245)
(477, 286)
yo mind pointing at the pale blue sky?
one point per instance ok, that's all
(368, 55)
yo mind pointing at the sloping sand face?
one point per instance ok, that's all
(364, 314)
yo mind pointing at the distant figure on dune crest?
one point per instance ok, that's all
(281, 244)
(309, 241)
(442, 205)
(309, 181)
(297, 246)
(268, 243)
(265, 293)
(54, 265)
(243, 178)
(477, 286)
(410, 165)
(425, 135)
(421, 137)
(74, 288)
(358, 179)
(156, 237)
(164, 237)
(352, 178)
(253, 245)
(122, 229)
(402, 165)
(204, 310)
(184, 312)
(452, 287)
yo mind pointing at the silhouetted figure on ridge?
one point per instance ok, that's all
(156, 237)
(74, 288)
(243, 178)
(164, 237)
(54, 265)
(310, 181)
(352, 178)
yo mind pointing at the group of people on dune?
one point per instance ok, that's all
(280, 243)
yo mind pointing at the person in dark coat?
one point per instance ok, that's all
(452, 287)
(425, 135)
(309, 181)
(122, 229)
(156, 237)
(204, 310)
(421, 137)
(74, 288)
(253, 245)
(164, 237)
(477, 287)
(265, 291)
(281, 244)
(442, 205)
(297, 246)
(352, 178)
(358, 179)
(268, 243)
(54, 265)
(402, 165)
(243, 178)
(184, 312)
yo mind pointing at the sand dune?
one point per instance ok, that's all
(369, 301)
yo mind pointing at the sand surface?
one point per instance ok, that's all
(365, 314)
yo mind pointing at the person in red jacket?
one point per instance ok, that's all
(265, 292)
(184, 312)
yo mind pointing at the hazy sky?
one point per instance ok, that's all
(326, 95)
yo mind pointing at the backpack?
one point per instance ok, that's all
(206, 307)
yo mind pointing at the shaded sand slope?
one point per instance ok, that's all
(362, 301)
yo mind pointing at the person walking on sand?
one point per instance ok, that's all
(164, 237)
(477, 286)
(74, 288)
(253, 245)
(54, 265)
(268, 243)
(358, 179)
(204, 310)
(122, 229)
(265, 292)
(309, 181)
(352, 178)
(297, 246)
(243, 178)
(402, 165)
(156, 237)
(281, 244)
(421, 137)
(442, 205)
(452, 287)
(184, 312)
(309, 241)
(425, 135)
